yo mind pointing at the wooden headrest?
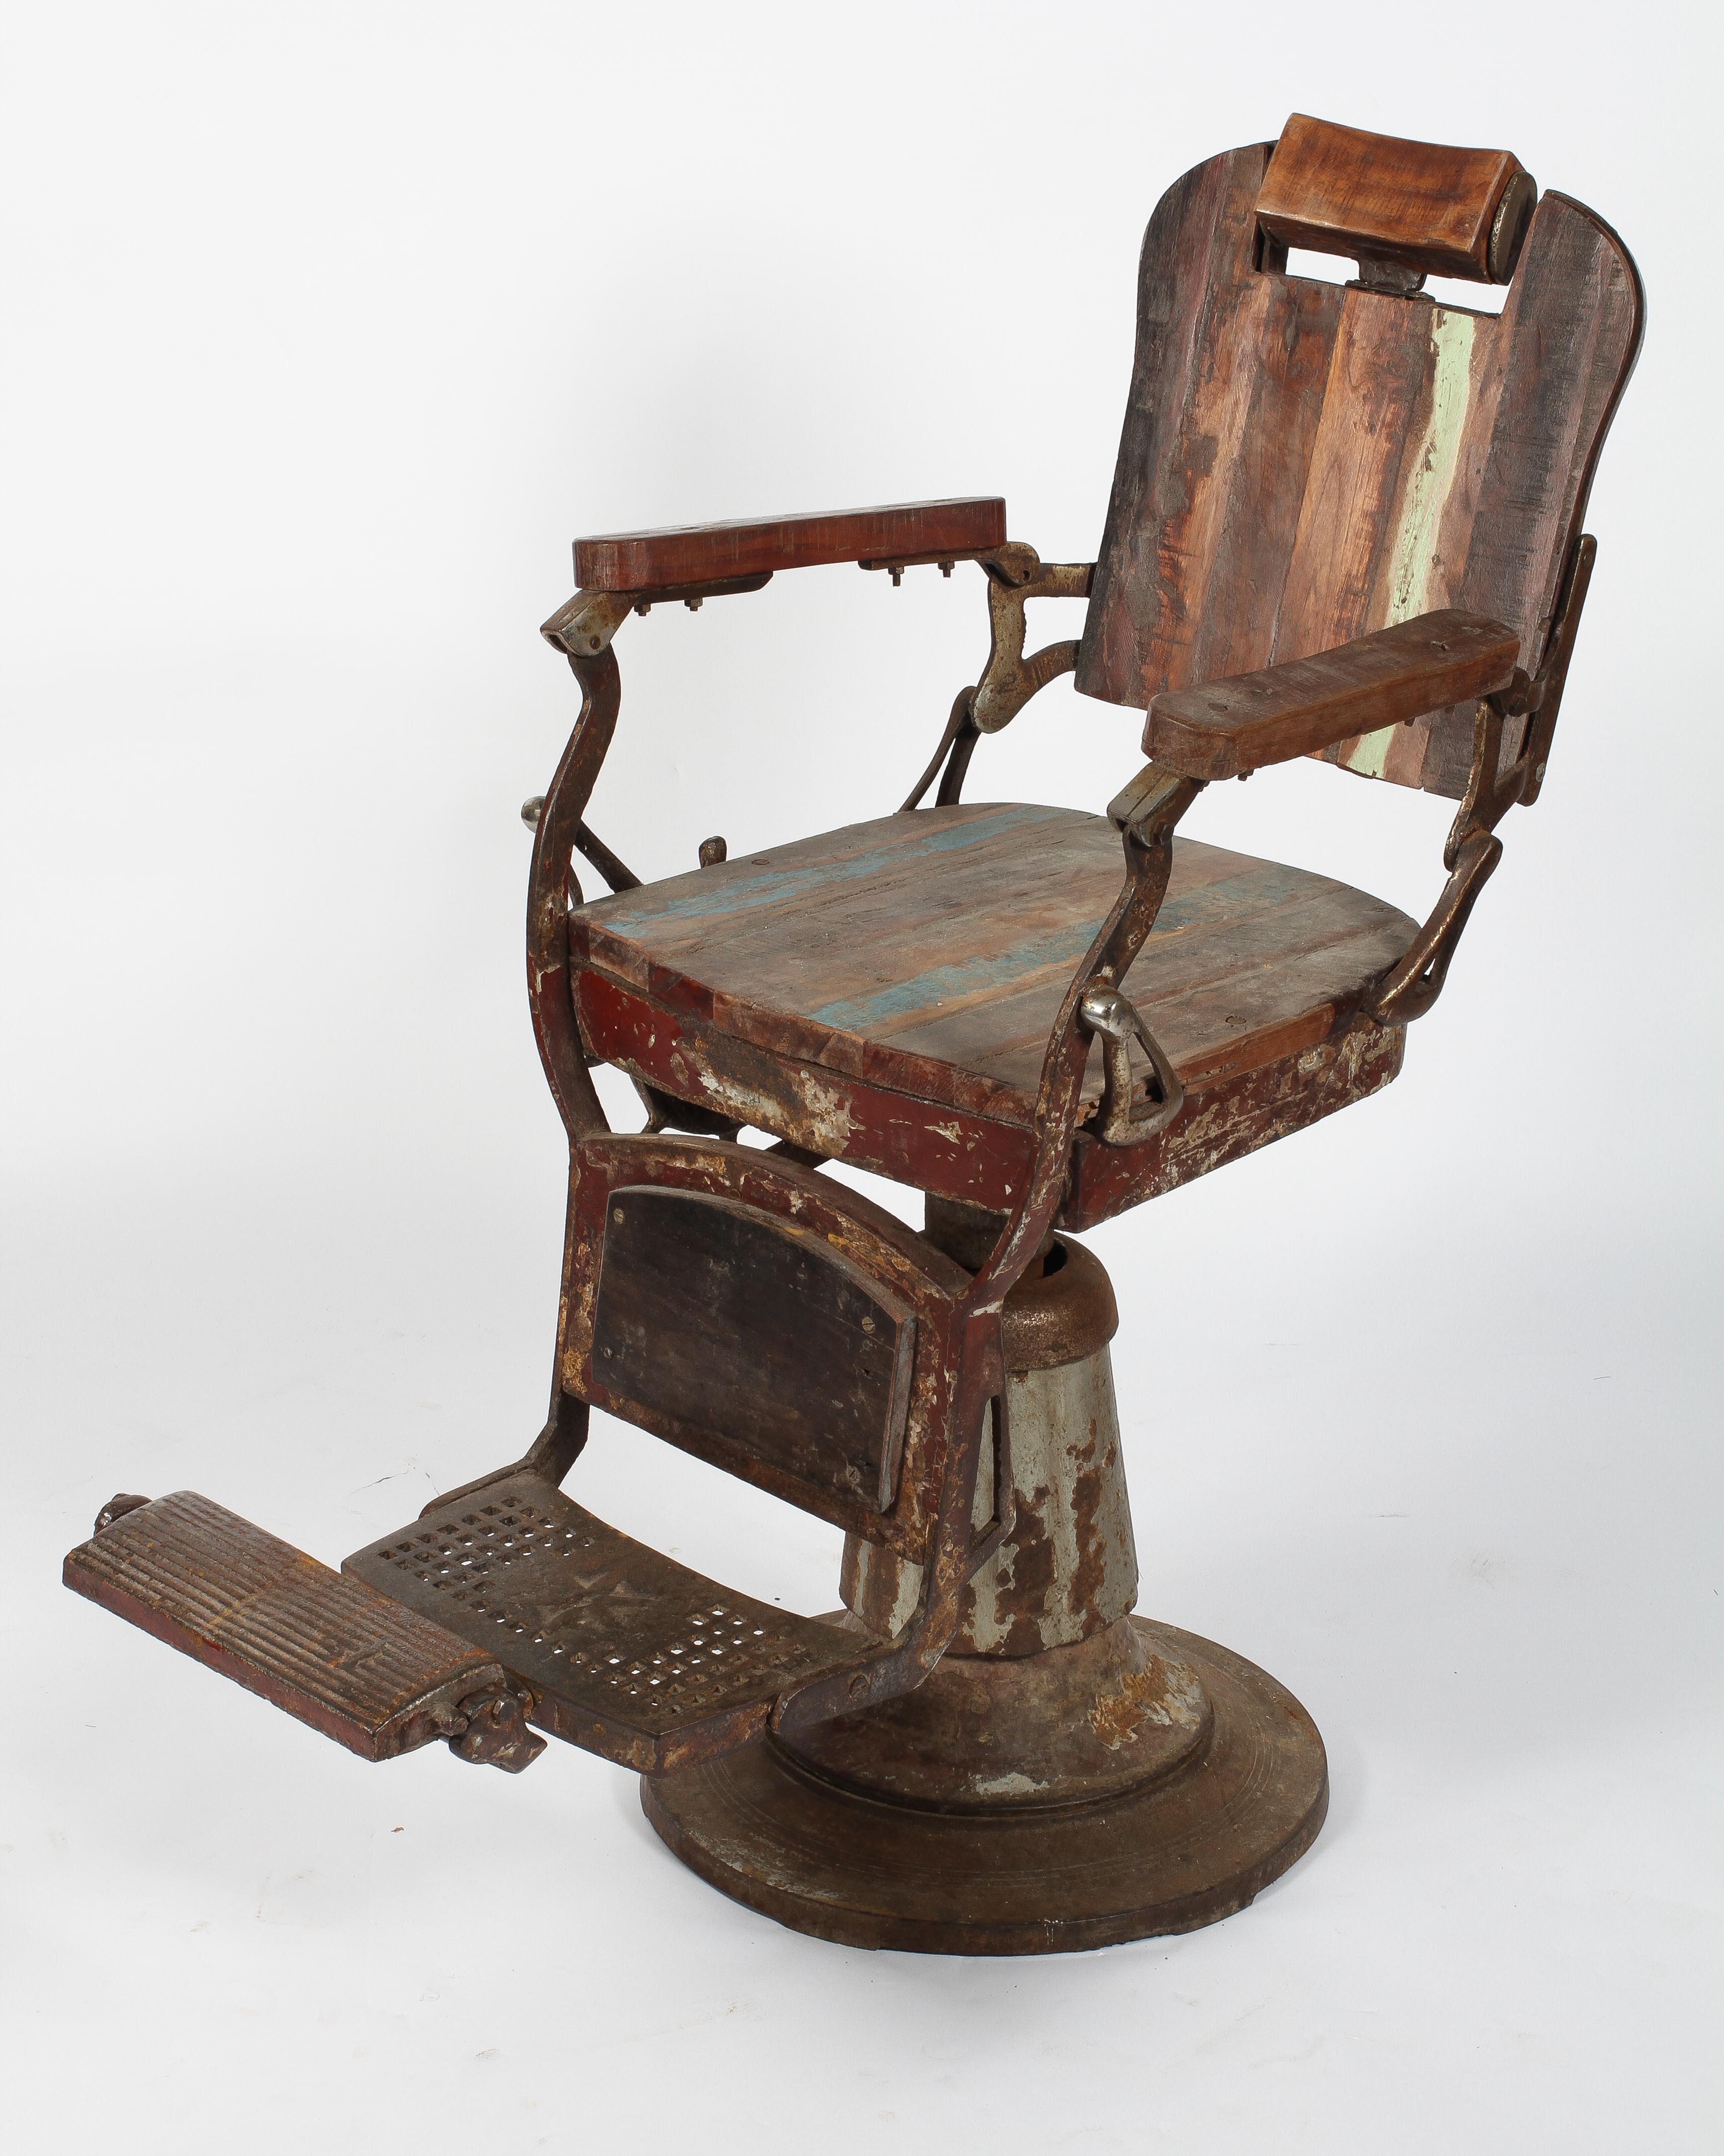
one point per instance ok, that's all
(1427, 209)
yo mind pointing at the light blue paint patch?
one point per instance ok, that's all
(1229, 900)
(955, 983)
(708, 894)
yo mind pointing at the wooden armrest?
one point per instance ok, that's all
(1246, 720)
(704, 554)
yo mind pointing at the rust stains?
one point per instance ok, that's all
(1167, 1694)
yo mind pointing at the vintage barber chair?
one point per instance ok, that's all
(1346, 523)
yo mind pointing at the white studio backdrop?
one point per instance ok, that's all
(329, 328)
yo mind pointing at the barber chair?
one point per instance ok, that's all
(1346, 523)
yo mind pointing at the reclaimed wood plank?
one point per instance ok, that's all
(1340, 191)
(1229, 727)
(933, 969)
(744, 546)
(1301, 465)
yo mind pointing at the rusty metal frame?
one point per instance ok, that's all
(971, 1386)
(1015, 574)
(1472, 850)
(970, 1389)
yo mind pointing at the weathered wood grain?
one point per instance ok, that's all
(1239, 724)
(1340, 191)
(928, 952)
(713, 1315)
(704, 554)
(1302, 464)
(884, 993)
(906, 1276)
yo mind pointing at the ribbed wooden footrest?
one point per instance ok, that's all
(378, 1678)
(627, 1652)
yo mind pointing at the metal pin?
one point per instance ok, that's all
(532, 810)
(713, 851)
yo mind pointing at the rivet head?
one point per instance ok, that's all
(616, 1215)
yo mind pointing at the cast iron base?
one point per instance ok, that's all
(1223, 1808)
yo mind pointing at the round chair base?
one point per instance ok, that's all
(1186, 1847)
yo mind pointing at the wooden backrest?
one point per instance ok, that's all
(1303, 463)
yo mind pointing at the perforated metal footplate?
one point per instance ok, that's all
(627, 1653)
(377, 1677)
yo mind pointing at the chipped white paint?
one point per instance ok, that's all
(1008, 1785)
(1413, 558)
(872, 1565)
(1065, 1428)
(818, 1118)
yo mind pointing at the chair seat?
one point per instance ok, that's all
(930, 951)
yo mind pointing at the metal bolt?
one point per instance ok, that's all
(616, 1215)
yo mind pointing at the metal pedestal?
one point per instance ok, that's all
(1070, 1775)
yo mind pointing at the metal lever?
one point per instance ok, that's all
(616, 872)
(1111, 1016)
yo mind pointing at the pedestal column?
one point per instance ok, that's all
(1069, 1775)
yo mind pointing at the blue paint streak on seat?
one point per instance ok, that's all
(703, 893)
(1235, 898)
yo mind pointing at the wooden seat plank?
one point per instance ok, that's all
(929, 952)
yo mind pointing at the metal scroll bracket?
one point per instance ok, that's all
(1015, 574)
(1472, 851)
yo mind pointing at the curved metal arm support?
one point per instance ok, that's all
(1015, 574)
(1470, 854)
(1409, 988)
(1146, 813)
(1009, 679)
(552, 886)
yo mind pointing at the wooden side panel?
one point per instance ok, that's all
(906, 1276)
(1232, 1116)
(1303, 463)
(713, 1318)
